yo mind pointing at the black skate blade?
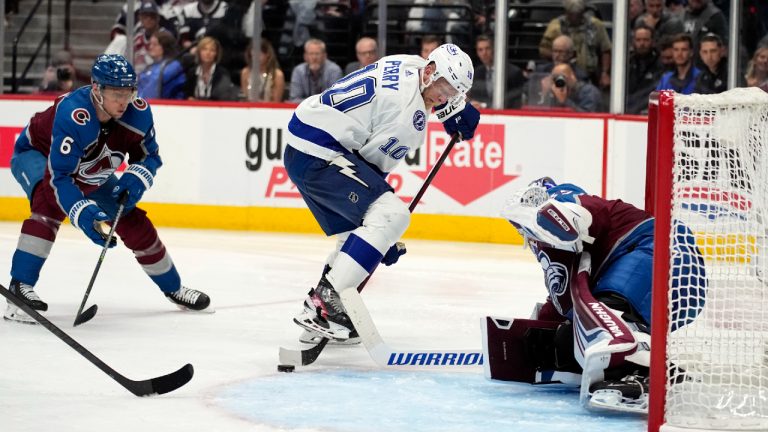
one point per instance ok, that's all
(86, 316)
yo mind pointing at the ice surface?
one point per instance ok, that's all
(432, 299)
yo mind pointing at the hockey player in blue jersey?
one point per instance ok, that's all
(341, 146)
(593, 330)
(65, 160)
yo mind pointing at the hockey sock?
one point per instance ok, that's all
(35, 242)
(384, 223)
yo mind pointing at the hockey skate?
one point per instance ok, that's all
(324, 315)
(630, 394)
(27, 294)
(190, 299)
(312, 337)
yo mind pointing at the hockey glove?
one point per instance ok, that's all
(393, 254)
(86, 215)
(135, 180)
(463, 121)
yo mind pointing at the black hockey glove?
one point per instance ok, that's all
(393, 254)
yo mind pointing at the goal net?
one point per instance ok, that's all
(708, 182)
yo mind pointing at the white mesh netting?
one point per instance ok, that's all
(717, 348)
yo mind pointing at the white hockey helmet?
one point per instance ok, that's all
(454, 65)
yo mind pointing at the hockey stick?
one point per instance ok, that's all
(159, 385)
(385, 356)
(86, 316)
(308, 356)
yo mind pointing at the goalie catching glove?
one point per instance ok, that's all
(538, 217)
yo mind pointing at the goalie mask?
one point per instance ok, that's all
(526, 200)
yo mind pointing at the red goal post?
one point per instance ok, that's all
(707, 175)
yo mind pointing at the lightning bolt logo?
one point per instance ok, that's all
(347, 169)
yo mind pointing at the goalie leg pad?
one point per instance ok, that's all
(605, 345)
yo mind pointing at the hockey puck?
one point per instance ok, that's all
(286, 368)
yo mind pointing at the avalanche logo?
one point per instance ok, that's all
(140, 104)
(81, 116)
(556, 278)
(419, 120)
(97, 170)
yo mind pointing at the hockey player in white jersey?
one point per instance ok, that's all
(341, 146)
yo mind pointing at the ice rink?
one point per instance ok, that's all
(433, 298)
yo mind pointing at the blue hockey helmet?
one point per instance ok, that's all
(113, 70)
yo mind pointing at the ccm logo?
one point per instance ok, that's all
(558, 219)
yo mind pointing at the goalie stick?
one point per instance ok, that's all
(159, 385)
(308, 356)
(89, 313)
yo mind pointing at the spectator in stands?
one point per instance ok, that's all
(644, 70)
(590, 40)
(167, 10)
(757, 70)
(61, 76)
(429, 43)
(208, 80)
(316, 74)
(663, 22)
(666, 53)
(247, 21)
(481, 94)
(683, 78)
(563, 90)
(197, 17)
(272, 80)
(304, 19)
(438, 17)
(636, 8)
(714, 76)
(563, 52)
(366, 51)
(703, 17)
(677, 7)
(149, 21)
(164, 78)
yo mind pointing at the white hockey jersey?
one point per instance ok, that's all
(377, 111)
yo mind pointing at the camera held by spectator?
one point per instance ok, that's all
(561, 89)
(59, 77)
(560, 81)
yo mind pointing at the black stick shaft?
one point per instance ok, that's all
(101, 258)
(159, 385)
